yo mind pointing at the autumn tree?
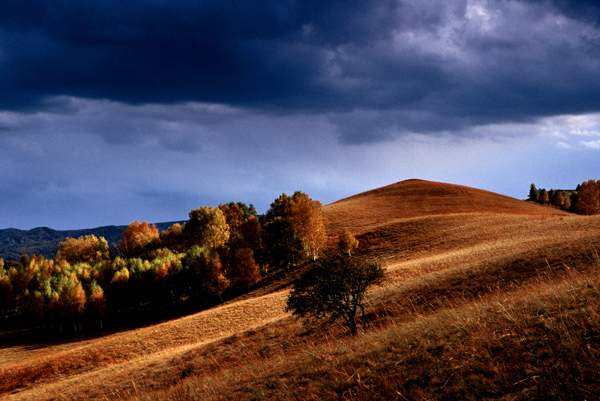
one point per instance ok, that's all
(283, 245)
(120, 279)
(335, 287)
(567, 201)
(207, 227)
(252, 235)
(87, 248)
(136, 237)
(588, 200)
(307, 219)
(173, 239)
(53, 310)
(71, 302)
(6, 289)
(235, 214)
(21, 274)
(561, 199)
(58, 298)
(97, 302)
(37, 308)
(557, 199)
(347, 242)
(208, 275)
(284, 248)
(244, 271)
(295, 229)
(281, 207)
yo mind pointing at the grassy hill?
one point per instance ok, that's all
(487, 297)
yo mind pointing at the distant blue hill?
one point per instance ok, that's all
(44, 241)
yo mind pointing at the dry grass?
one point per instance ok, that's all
(418, 198)
(115, 354)
(535, 336)
(477, 282)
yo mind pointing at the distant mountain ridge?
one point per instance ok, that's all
(44, 241)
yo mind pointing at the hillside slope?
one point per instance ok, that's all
(472, 282)
(416, 218)
(419, 198)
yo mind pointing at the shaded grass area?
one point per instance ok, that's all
(109, 357)
(540, 340)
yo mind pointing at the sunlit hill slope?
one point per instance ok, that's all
(487, 297)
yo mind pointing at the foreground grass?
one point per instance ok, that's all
(69, 370)
(538, 341)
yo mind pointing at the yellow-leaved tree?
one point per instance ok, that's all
(295, 229)
(207, 227)
(307, 219)
(87, 248)
(347, 242)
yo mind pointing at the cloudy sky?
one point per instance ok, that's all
(113, 111)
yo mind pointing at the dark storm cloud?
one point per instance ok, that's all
(140, 51)
(378, 68)
(588, 10)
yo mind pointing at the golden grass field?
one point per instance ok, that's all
(486, 297)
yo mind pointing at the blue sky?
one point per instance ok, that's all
(114, 111)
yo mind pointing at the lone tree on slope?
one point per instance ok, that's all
(347, 242)
(335, 287)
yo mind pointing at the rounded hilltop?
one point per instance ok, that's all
(416, 198)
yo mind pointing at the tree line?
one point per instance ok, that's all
(585, 199)
(220, 251)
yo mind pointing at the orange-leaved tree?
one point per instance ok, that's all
(588, 199)
(234, 216)
(136, 237)
(244, 271)
(544, 197)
